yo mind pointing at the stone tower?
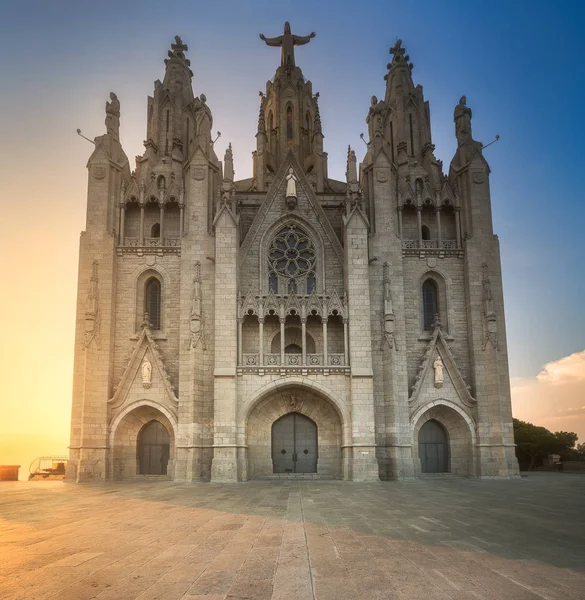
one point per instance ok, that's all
(289, 325)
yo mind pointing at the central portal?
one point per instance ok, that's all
(294, 444)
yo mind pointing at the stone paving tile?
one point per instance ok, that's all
(308, 540)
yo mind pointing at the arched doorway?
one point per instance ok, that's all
(294, 444)
(433, 448)
(153, 449)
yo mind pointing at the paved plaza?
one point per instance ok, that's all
(450, 539)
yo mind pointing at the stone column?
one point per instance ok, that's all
(181, 221)
(261, 340)
(345, 342)
(458, 227)
(141, 241)
(162, 223)
(122, 223)
(282, 322)
(363, 463)
(325, 358)
(240, 334)
(419, 222)
(304, 340)
(225, 449)
(439, 235)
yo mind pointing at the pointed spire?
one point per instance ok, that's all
(317, 127)
(177, 52)
(351, 169)
(261, 116)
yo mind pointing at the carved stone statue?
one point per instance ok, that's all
(203, 120)
(196, 315)
(228, 164)
(374, 118)
(291, 189)
(438, 367)
(351, 166)
(462, 118)
(113, 116)
(146, 369)
(288, 41)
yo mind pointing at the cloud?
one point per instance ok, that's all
(555, 398)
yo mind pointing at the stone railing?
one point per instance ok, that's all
(151, 242)
(294, 360)
(430, 246)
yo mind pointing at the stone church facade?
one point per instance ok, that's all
(289, 324)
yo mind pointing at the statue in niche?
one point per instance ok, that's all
(287, 42)
(113, 116)
(146, 369)
(462, 117)
(203, 120)
(291, 190)
(438, 368)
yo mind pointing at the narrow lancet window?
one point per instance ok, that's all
(289, 124)
(430, 303)
(153, 301)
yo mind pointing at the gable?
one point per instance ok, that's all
(439, 378)
(307, 213)
(145, 377)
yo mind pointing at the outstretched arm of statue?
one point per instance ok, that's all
(300, 40)
(276, 41)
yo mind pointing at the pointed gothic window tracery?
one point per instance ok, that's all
(291, 262)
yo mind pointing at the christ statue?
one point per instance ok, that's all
(288, 41)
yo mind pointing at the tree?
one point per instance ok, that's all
(534, 443)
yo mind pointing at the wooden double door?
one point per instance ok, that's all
(153, 449)
(294, 444)
(433, 448)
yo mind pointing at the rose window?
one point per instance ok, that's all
(291, 262)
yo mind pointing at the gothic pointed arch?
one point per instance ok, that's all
(292, 258)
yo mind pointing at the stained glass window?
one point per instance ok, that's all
(292, 261)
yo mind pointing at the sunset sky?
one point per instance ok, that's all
(521, 65)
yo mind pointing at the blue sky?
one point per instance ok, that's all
(521, 65)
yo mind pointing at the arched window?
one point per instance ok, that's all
(155, 230)
(292, 262)
(289, 124)
(426, 233)
(152, 297)
(430, 303)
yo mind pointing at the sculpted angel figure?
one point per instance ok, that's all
(113, 115)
